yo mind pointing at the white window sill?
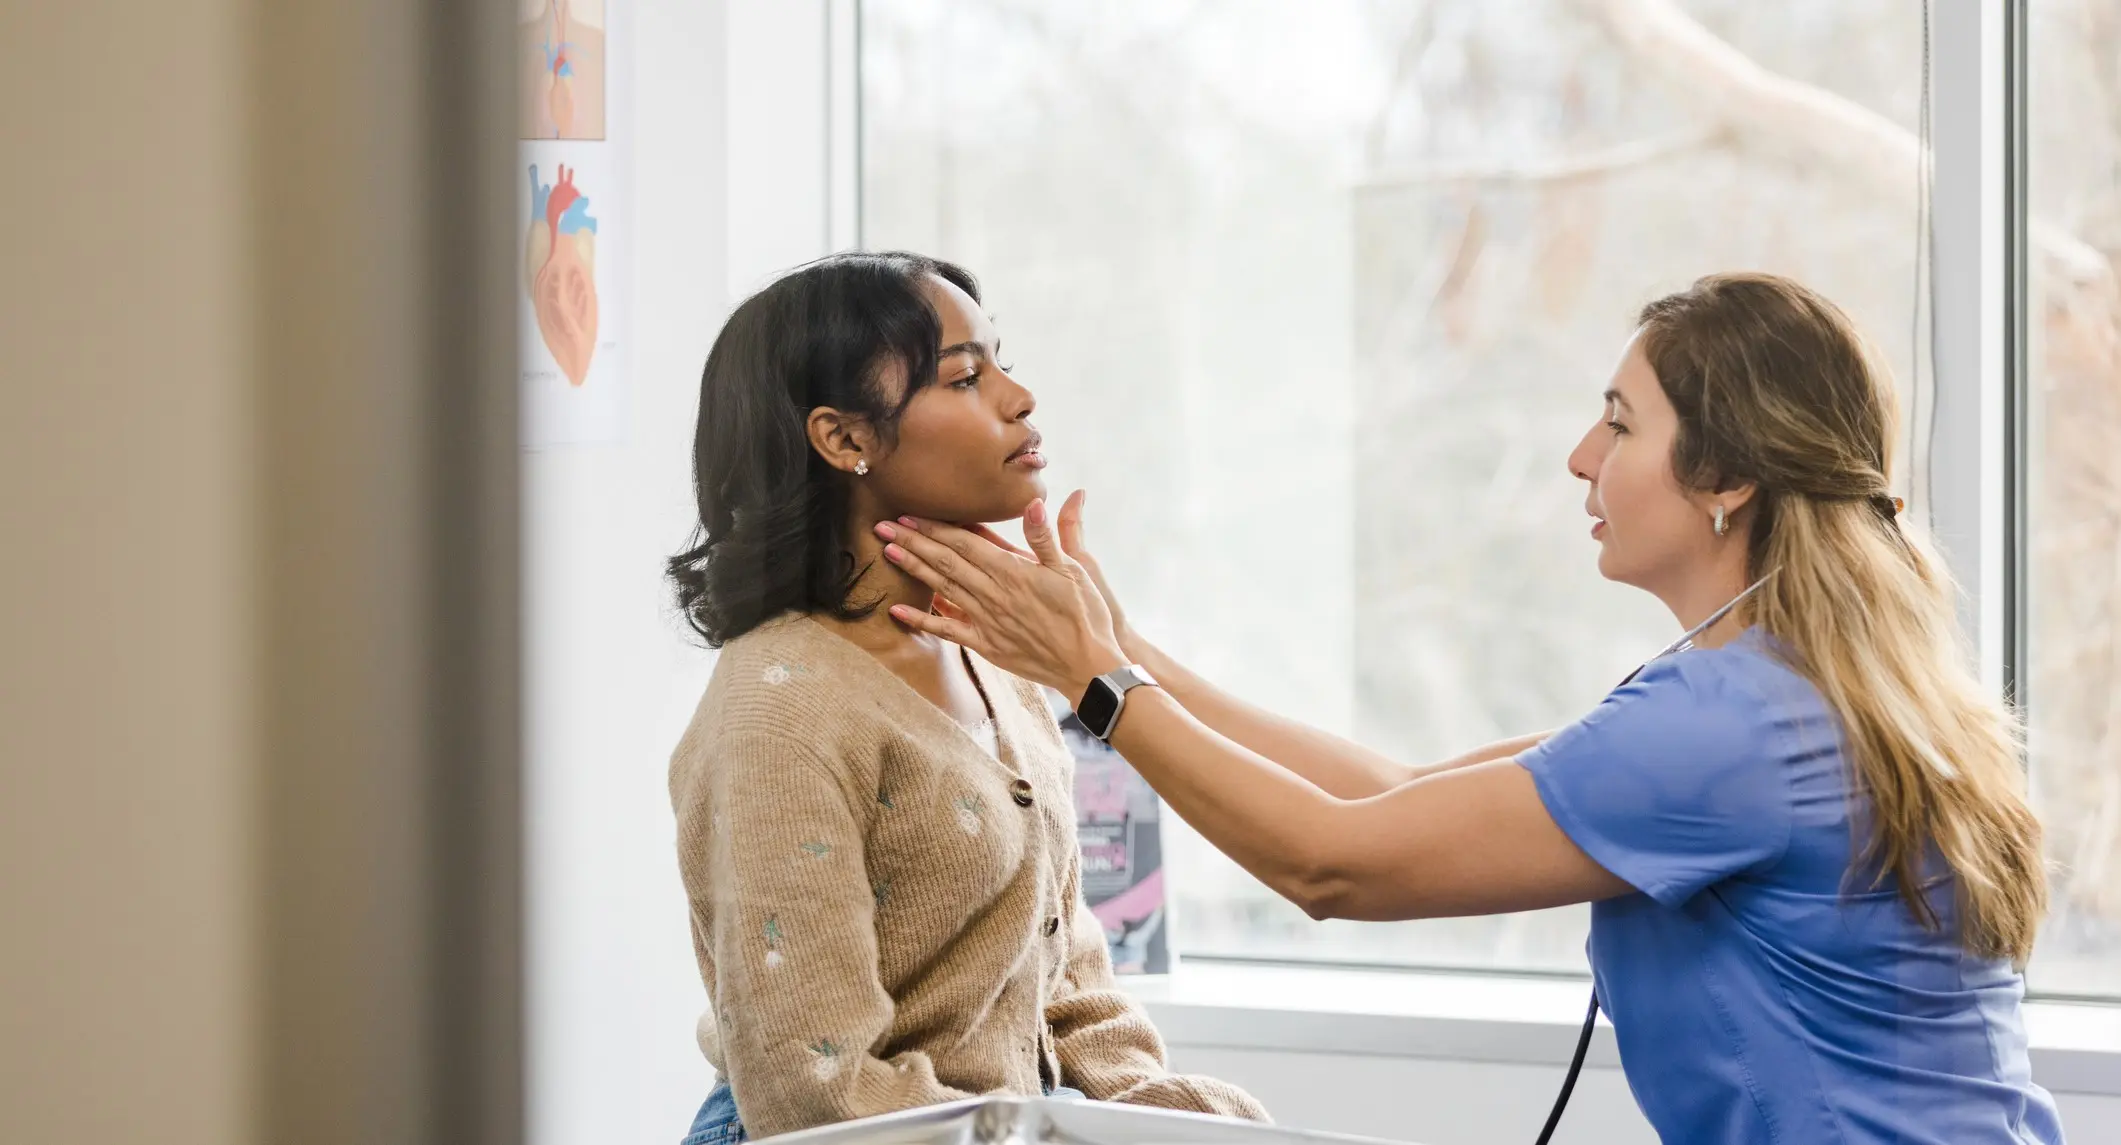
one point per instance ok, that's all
(2076, 1047)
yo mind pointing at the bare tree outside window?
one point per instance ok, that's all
(2073, 698)
(1317, 297)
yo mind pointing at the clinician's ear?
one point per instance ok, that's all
(1724, 504)
(844, 440)
(1736, 497)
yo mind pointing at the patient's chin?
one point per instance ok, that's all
(1034, 488)
(1014, 507)
(1004, 504)
(990, 512)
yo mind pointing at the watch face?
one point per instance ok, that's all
(1100, 705)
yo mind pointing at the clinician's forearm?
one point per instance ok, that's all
(1424, 849)
(1500, 749)
(1276, 824)
(1340, 767)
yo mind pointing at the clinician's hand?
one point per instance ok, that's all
(1043, 618)
(1070, 527)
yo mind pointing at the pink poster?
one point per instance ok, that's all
(1117, 819)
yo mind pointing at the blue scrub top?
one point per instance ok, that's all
(1757, 992)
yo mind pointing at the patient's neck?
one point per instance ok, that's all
(883, 583)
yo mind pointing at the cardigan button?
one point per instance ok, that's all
(1021, 792)
(1052, 926)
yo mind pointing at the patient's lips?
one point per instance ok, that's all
(1028, 454)
(560, 253)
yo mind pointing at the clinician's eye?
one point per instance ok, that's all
(1616, 427)
(969, 381)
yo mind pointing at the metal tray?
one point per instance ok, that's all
(1050, 1121)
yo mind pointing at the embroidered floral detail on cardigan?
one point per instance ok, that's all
(773, 943)
(824, 1060)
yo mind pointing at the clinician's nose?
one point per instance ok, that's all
(1589, 453)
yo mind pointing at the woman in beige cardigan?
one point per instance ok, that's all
(876, 828)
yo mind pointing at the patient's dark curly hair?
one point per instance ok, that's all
(773, 514)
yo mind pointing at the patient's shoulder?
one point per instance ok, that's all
(786, 680)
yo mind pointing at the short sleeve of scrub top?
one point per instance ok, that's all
(1670, 783)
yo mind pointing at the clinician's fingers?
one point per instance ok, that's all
(974, 548)
(1038, 533)
(955, 631)
(929, 575)
(1072, 522)
(999, 541)
(939, 566)
(971, 548)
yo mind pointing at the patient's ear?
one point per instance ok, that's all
(844, 440)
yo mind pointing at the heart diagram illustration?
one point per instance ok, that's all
(559, 259)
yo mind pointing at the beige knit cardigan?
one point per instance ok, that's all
(886, 915)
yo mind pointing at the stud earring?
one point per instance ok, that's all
(1722, 525)
(861, 468)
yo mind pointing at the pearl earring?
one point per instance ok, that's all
(861, 467)
(1722, 525)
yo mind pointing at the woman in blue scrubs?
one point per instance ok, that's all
(1804, 832)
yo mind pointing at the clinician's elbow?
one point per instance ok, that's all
(1319, 904)
(1322, 888)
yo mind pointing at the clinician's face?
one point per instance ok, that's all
(1650, 531)
(965, 450)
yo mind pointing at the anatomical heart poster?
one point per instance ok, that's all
(574, 221)
(1118, 822)
(573, 240)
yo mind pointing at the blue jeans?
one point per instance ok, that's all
(717, 1122)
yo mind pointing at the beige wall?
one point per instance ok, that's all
(257, 561)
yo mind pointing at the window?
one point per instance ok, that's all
(2073, 481)
(1316, 299)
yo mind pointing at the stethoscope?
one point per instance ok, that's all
(1590, 1018)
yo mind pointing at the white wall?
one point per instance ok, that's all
(610, 682)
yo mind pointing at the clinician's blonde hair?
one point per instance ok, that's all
(1774, 386)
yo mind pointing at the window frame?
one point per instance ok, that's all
(1968, 479)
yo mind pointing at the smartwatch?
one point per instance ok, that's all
(1107, 697)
